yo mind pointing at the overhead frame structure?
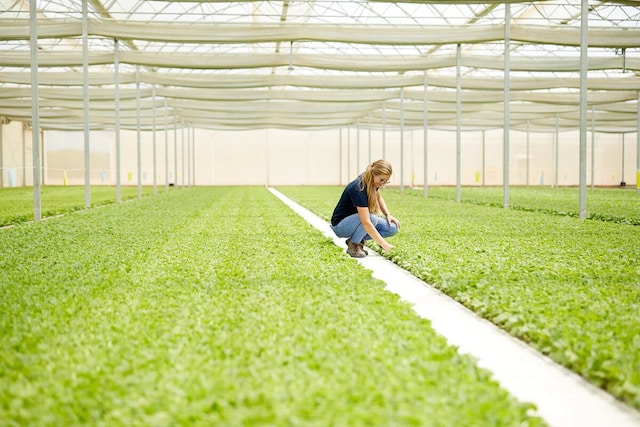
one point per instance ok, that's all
(322, 64)
(318, 64)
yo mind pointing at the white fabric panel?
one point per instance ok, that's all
(227, 81)
(179, 32)
(337, 62)
(253, 98)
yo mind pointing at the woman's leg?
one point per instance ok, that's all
(352, 228)
(383, 227)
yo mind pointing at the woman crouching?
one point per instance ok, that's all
(357, 214)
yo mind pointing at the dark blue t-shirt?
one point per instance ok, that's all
(351, 198)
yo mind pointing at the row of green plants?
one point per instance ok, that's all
(605, 204)
(16, 203)
(218, 306)
(568, 287)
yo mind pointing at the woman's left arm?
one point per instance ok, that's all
(383, 207)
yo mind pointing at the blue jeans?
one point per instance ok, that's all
(351, 227)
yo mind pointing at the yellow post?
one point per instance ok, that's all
(64, 178)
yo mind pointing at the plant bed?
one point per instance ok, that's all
(16, 204)
(218, 306)
(568, 287)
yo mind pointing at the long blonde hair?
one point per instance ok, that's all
(368, 184)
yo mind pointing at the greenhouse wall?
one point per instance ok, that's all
(16, 158)
(319, 157)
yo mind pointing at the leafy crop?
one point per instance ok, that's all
(218, 306)
(569, 287)
(16, 204)
(606, 204)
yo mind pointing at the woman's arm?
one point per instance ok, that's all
(383, 207)
(365, 220)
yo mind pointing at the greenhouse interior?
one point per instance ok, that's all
(136, 289)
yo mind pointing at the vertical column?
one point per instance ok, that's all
(182, 160)
(138, 137)
(556, 152)
(358, 168)
(402, 139)
(638, 145)
(458, 123)
(507, 86)
(622, 145)
(116, 65)
(484, 156)
(593, 146)
(153, 100)
(85, 102)
(528, 153)
(348, 153)
(1, 155)
(369, 134)
(384, 129)
(24, 153)
(175, 152)
(166, 147)
(425, 127)
(267, 163)
(584, 20)
(340, 156)
(192, 157)
(188, 157)
(35, 110)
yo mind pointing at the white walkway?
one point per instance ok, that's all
(563, 398)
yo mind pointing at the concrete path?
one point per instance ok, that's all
(563, 398)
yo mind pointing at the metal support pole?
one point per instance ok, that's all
(348, 153)
(528, 153)
(24, 154)
(116, 64)
(425, 127)
(593, 146)
(35, 110)
(622, 144)
(182, 160)
(358, 144)
(267, 158)
(506, 132)
(193, 156)
(166, 147)
(1, 156)
(153, 100)
(85, 103)
(556, 151)
(484, 156)
(340, 156)
(584, 20)
(458, 124)
(175, 152)
(401, 139)
(384, 129)
(188, 157)
(369, 135)
(138, 136)
(638, 145)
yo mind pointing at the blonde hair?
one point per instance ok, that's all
(368, 184)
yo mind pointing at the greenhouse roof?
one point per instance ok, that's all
(319, 64)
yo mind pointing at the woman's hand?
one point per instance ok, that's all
(388, 247)
(392, 220)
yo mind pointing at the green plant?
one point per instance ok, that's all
(218, 306)
(569, 287)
